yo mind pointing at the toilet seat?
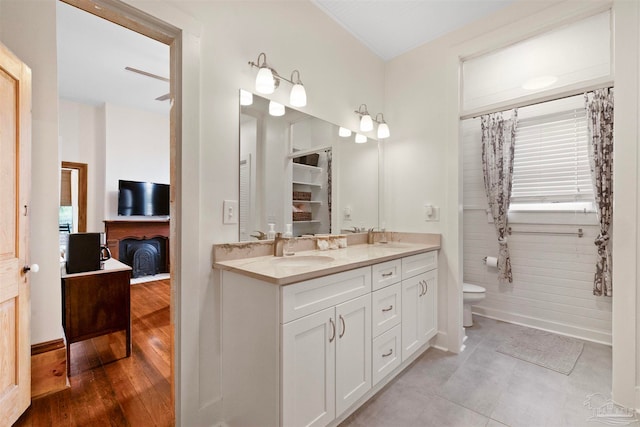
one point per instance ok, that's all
(469, 288)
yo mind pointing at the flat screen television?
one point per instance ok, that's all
(142, 198)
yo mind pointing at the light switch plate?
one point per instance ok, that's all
(230, 212)
(431, 213)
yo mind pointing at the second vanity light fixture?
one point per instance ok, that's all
(366, 122)
(268, 80)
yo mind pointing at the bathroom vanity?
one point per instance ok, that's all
(307, 339)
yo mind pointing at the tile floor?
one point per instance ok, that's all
(484, 388)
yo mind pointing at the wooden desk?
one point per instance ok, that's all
(96, 303)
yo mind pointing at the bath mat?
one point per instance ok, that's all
(551, 351)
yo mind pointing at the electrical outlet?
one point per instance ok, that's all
(230, 212)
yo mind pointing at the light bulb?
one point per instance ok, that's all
(276, 109)
(344, 132)
(264, 81)
(298, 97)
(366, 123)
(383, 131)
(246, 98)
(360, 139)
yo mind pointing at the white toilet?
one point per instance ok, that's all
(471, 294)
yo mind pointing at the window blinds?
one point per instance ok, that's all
(551, 159)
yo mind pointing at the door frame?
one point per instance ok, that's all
(82, 169)
(136, 20)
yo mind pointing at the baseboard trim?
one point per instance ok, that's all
(599, 337)
(48, 368)
(46, 346)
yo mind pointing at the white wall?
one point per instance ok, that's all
(422, 101)
(116, 142)
(28, 29)
(218, 40)
(82, 140)
(136, 149)
(552, 275)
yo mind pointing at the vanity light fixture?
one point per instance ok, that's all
(268, 80)
(360, 138)
(344, 132)
(383, 127)
(246, 97)
(366, 122)
(276, 109)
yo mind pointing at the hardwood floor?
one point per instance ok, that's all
(108, 389)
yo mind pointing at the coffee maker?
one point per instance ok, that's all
(85, 253)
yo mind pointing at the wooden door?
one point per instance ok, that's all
(15, 145)
(353, 351)
(308, 370)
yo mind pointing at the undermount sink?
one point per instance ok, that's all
(302, 261)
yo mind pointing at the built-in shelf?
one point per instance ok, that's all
(307, 222)
(314, 169)
(317, 202)
(311, 184)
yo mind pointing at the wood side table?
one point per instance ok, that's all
(96, 303)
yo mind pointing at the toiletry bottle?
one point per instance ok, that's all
(271, 234)
(288, 244)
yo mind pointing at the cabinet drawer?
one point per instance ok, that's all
(386, 273)
(386, 306)
(386, 353)
(301, 299)
(416, 264)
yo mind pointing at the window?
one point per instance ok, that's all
(551, 162)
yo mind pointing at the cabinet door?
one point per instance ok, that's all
(353, 351)
(411, 306)
(308, 370)
(427, 312)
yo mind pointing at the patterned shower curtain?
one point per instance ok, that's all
(599, 104)
(498, 136)
(329, 187)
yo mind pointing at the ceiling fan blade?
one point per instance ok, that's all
(144, 73)
(163, 97)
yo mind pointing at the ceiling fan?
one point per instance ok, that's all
(164, 97)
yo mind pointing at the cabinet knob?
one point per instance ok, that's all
(33, 267)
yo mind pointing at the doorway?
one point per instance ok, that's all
(132, 19)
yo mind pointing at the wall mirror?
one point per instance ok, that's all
(296, 169)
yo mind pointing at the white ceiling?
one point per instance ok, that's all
(92, 52)
(92, 55)
(392, 27)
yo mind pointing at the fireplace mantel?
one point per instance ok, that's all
(117, 230)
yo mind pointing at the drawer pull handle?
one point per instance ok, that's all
(333, 330)
(388, 354)
(422, 288)
(388, 308)
(344, 326)
(389, 274)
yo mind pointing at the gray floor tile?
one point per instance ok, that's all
(445, 389)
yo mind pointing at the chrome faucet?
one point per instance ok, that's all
(260, 236)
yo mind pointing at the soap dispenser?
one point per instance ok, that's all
(271, 233)
(288, 244)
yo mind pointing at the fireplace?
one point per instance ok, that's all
(145, 256)
(143, 245)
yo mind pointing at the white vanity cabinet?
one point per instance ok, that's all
(308, 353)
(326, 363)
(419, 289)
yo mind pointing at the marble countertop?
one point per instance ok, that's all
(292, 269)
